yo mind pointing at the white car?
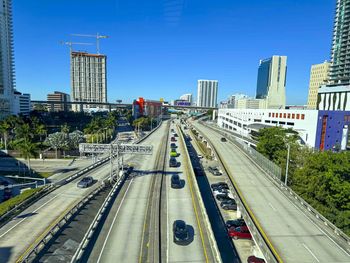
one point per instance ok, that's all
(221, 191)
(200, 156)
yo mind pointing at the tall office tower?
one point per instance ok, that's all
(88, 78)
(207, 93)
(187, 97)
(271, 84)
(318, 77)
(7, 75)
(339, 72)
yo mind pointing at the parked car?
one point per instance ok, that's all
(181, 233)
(212, 169)
(254, 259)
(223, 139)
(217, 173)
(200, 156)
(220, 191)
(173, 139)
(223, 197)
(235, 223)
(173, 153)
(173, 145)
(220, 187)
(228, 205)
(175, 181)
(85, 182)
(218, 184)
(239, 232)
(172, 162)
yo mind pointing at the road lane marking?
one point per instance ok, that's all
(167, 223)
(272, 207)
(115, 217)
(28, 217)
(308, 249)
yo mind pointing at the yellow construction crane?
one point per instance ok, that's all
(97, 36)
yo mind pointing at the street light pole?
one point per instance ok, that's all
(286, 177)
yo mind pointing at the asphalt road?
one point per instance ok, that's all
(295, 237)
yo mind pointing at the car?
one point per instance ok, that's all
(172, 162)
(239, 232)
(200, 156)
(173, 153)
(223, 139)
(220, 191)
(175, 181)
(220, 187)
(173, 139)
(254, 259)
(181, 233)
(217, 173)
(175, 135)
(229, 205)
(173, 145)
(85, 182)
(212, 169)
(218, 184)
(235, 223)
(223, 197)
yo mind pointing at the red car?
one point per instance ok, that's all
(173, 139)
(239, 232)
(254, 259)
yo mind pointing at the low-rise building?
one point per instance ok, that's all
(249, 103)
(60, 97)
(21, 103)
(149, 108)
(318, 129)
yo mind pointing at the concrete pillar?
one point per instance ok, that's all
(81, 107)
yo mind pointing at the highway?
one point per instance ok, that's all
(129, 232)
(293, 235)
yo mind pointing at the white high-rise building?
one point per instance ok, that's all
(88, 78)
(7, 75)
(187, 97)
(207, 92)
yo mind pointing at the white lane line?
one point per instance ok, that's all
(28, 217)
(272, 207)
(308, 249)
(115, 217)
(167, 220)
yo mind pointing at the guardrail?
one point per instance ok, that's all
(337, 234)
(256, 230)
(146, 136)
(93, 226)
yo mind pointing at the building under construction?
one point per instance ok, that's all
(88, 78)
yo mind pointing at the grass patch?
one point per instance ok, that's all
(204, 150)
(45, 174)
(11, 203)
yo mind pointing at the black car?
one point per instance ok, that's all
(227, 205)
(213, 169)
(235, 223)
(172, 162)
(181, 234)
(175, 181)
(223, 197)
(217, 173)
(220, 187)
(223, 139)
(173, 145)
(218, 184)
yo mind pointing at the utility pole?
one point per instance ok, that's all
(286, 177)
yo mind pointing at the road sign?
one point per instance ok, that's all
(120, 148)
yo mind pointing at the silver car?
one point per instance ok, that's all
(85, 182)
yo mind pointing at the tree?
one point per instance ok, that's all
(75, 138)
(27, 150)
(5, 129)
(57, 141)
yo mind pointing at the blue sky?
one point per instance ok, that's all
(159, 48)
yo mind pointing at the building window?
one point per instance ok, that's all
(302, 116)
(290, 123)
(293, 116)
(280, 115)
(284, 115)
(267, 121)
(298, 116)
(288, 116)
(273, 115)
(269, 114)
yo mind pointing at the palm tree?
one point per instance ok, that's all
(5, 129)
(40, 130)
(27, 150)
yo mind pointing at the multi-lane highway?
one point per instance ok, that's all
(129, 232)
(294, 236)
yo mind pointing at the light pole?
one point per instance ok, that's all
(286, 177)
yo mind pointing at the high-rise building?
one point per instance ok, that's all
(7, 75)
(318, 77)
(187, 97)
(61, 97)
(21, 103)
(88, 78)
(271, 83)
(339, 72)
(207, 92)
(232, 100)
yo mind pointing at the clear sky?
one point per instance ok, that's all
(159, 48)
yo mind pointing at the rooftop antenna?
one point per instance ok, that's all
(97, 36)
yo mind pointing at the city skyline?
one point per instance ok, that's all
(130, 42)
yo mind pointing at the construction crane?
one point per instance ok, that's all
(97, 36)
(70, 44)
